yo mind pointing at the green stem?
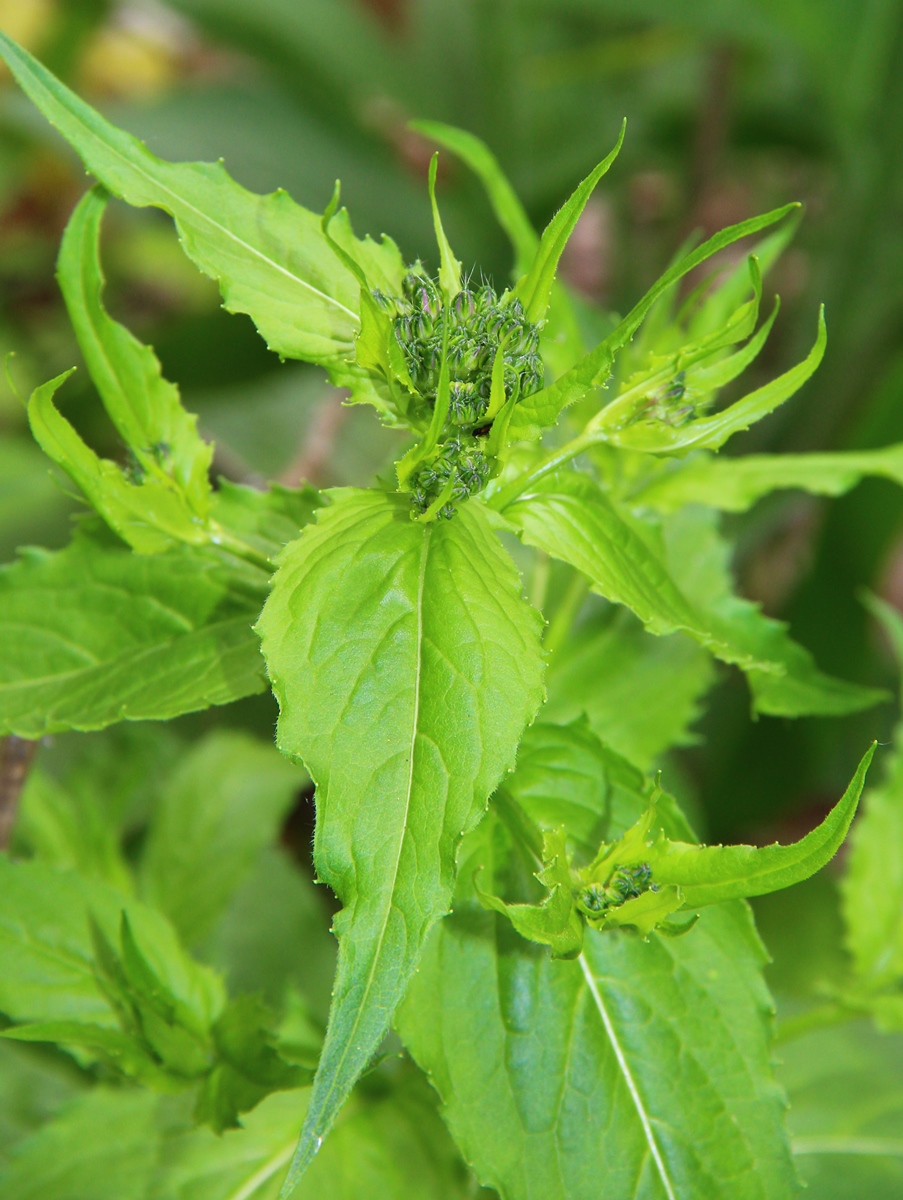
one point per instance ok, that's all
(220, 537)
(539, 582)
(560, 625)
(507, 495)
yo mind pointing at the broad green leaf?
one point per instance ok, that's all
(94, 634)
(613, 671)
(541, 410)
(267, 253)
(710, 433)
(654, 1058)
(535, 288)
(846, 1111)
(699, 559)
(223, 804)
(735, 484)
(872, 887)
(406, 666)
(102, 1147)
(388, 1147)
(570, 518)
(147, 513)
(143, 406)
(47, 954)
(562, 779)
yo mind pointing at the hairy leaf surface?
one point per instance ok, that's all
(94, 634)
(654, 1058)
(406, 665)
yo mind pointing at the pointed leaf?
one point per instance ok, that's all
(712, 874)
(735, 484)
(449, 267)
(268, 254)
(710, 433)
(148, 513)
(641, 1046)
(535, 288)
(93, 635)
(406, 665)
(542, 409)
(143, 406)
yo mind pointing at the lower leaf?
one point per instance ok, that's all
(406, 666)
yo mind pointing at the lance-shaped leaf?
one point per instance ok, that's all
(95, 634)
(143, 406)
(542, 409)
(267, 253)
(735, 484)
(710, 433)
(535, 288)
(712, 874)
(149, 514)
(699, 559)
(406, 665)
(654, 1056)
(449, 267)
(569, 517)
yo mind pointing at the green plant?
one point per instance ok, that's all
(576, 1026)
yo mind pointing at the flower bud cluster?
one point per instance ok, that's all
(478, 322)
(626, 883)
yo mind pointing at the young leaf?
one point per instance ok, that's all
(542, 409)
(406, 665)
(713, 874)
(143, 406)
(735, 484)
(268, 254)
(148, 513)
(710, 433)
(267, 521)
(535, 288)
(93, 635)
(48, 955)
(221, 807)
(505, 202)
(639, 1045)
(104, 1146)
(449, 267)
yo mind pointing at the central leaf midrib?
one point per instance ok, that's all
(390, 892)
(204, 217)
(630, 1082)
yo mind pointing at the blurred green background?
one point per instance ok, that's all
(734, 106)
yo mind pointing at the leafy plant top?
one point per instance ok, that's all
(592, 1014)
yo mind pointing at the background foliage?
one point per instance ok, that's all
(735, 106)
